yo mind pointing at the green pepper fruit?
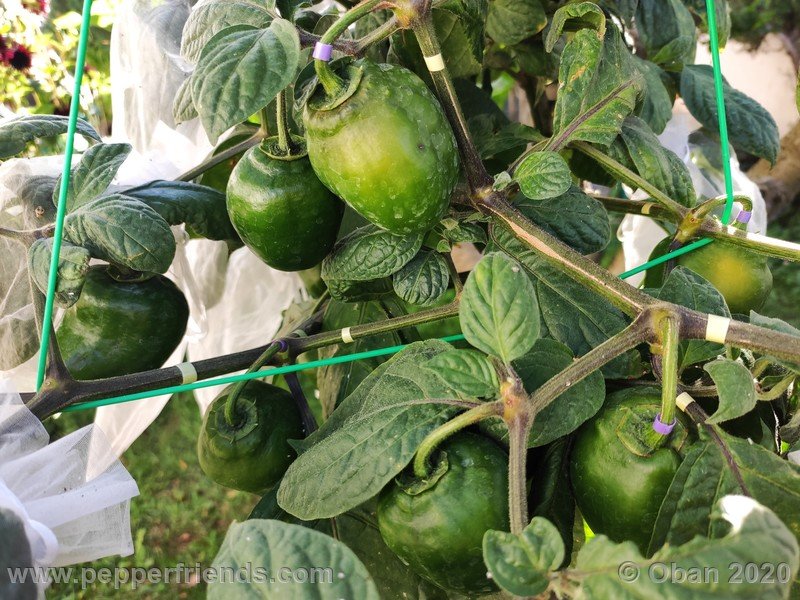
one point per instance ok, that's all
(121, 327)
(281, 210)
(436, 525)
(741, 276)
(618, 487)
(252, 454)
(386, 148)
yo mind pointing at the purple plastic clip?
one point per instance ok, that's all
(283, 345)
(744, 216)
(322, 51)
(663, 428)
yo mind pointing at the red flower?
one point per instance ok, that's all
(19, 57)
(38, 7)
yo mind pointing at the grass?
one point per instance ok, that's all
(180, 516)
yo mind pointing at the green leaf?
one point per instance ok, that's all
(336, 382)
(369, 253)
(493, 137)
(73, 262)
(667, 32)
(19, 337)
(468, 372)
(752, 128)
(370, 437)
(359, 291)
(423, 280)
(17, 133)
(639, 149)
(471, 16)
(209, 17)
(698, 7)
(735, 388)
(687, 288)
(575, 218)
(465, 232)
(571, 409)
(578, 15)
(520, 564)
(543, 175)
(183, 106)
(201, 208)
(599, 85)
(93, 174)
(273, 547)
(123, 231)
(655, 104)
(624, 9)
(571, 314)
(754, 535)
(499, 313)
(511, 21)
(705, 476)
(241, 70)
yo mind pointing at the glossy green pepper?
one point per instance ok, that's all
(742, 277)
(252, 453)
(386, 149)
(436, 526)
(281, 210)
(121, 327)
(619, 492)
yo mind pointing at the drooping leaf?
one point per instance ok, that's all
(93, 174)
(655, 104)
(511, 21)
(241, 70)
(499, 313)
(201, 208)
(543, 175)
(574, 17)
(72, 266)
(123, 231)
(575, 218)
(17, 133)
(752, 128)
(723, 17)
(318, 564)
(209, 17)
(469, 373)
(370, 437)
(599, 85)
(735, 388)
(520, 564)
(423, 280)
(667, 32)
(183, 106)
(687, 288)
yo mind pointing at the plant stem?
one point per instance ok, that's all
(518, 433)
(476, 173)
(669, 334)
(309, 422)
(282, 118)
(263, 128)
(26, 238)
(377, 35)
(438, 435)
(230, 404)
(777, 390)
(752, 241)
(213, 161)
(633, 179)
(638, 207)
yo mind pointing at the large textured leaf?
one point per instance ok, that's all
(705, 476)
(499, 313)
(19, 338)
(574, 17)
(241, 70)
(754, 535)
(17, 133)
(183, 106)
(735, 388)
(90, 178)
(543, 175)
(599, 84)
(423, 280)
(73, 262)
(655, 104)
(520, 564)
(667, 32)
(570, 313)
(123, 231)
(468, 372)
(751, 128)
(201, 208)
(575, 218)
(638, 148)
(687, 288)
(698, 7)
(209, 17)
(511, 21)
(370, 438)
(318, 565)
(336, 382)
(471, 19)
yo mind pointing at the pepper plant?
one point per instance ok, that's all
(661, 416)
